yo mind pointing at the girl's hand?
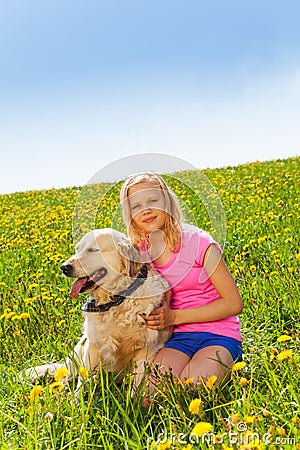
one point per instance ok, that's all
(161, 317)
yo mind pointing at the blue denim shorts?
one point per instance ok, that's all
(191, 342)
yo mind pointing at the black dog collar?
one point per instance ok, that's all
(117, 299)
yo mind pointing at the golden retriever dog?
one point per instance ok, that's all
(121, 289)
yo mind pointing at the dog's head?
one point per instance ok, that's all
(101, 256)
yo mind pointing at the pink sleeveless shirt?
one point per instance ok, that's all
(190, 284)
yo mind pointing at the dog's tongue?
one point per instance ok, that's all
(76, 286)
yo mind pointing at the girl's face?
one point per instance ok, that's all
(147, 207)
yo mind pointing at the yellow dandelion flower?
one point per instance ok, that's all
(56, 386)
(249, 419)
(61, 374)
(211, 381)
(195, 406)
(284, 354)
(271, 430)
(202, 428)
(24, 316)
(35, 392)
(83, 372)
(283, 338)
(281, 431)
(243, 381)
(10, 314)
(164, 445)
(261, 240)
(187, 447)
(239, 365)
(15, 317)
(27, 301)
(252, 268)
(188, 381)
(298, 256)
(234, 418)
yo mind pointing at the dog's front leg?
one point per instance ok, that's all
(90, 357)
(75, 359)
(34, 373)
(142, 357)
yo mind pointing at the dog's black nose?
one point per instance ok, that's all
(66, 269)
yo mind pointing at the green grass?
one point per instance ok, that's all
(261, 208)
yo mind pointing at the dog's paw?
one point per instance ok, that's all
(34, 373)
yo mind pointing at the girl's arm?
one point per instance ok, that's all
(229, 304)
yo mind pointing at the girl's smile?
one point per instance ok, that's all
(149, 219)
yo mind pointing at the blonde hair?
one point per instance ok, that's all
(174, 218)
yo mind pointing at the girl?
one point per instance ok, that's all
(205, 301)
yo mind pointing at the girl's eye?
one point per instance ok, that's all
(153, 200)
(135, 207)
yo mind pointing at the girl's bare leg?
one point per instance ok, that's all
(213, 360)
(169, 358)
(166, 359)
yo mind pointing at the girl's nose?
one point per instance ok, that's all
(146, 209)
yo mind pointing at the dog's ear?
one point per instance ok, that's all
(131, 259)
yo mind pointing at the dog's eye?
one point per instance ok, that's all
(92, 250)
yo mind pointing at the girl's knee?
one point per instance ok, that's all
(170, 359)
(210, 361)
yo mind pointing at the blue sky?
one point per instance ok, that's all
(86, 83)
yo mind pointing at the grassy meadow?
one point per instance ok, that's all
(40, 322)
